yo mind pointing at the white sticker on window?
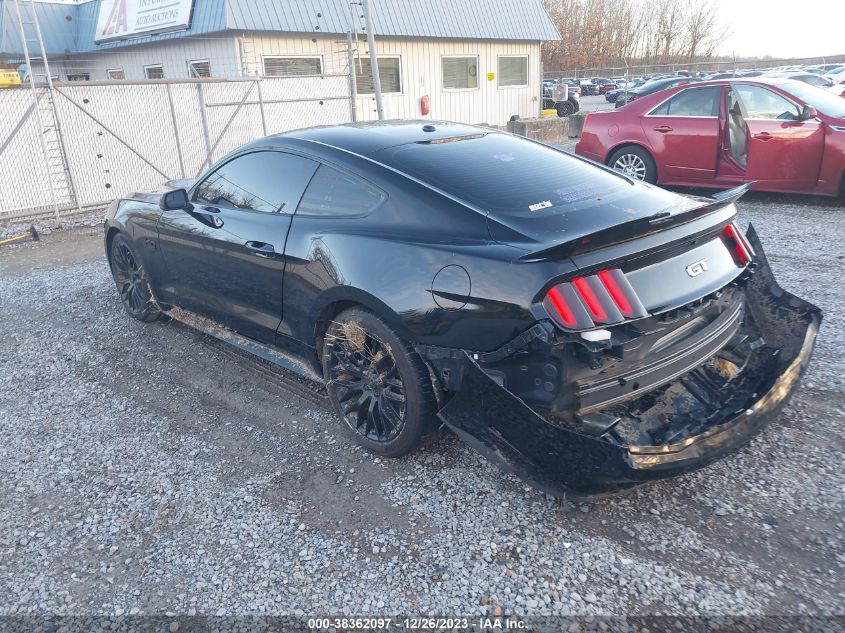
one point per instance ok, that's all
(545, 204)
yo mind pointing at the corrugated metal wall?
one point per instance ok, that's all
(422, 75)
(420, 62)
(173, 55)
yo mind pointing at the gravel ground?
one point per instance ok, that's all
(143, 469)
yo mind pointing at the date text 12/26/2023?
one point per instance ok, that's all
(416, 623)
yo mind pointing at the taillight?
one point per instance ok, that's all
(594, 306)
(738, 243)
(605, 298)
(561, 308)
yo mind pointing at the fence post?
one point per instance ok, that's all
(353, 81)
(175, 130)
(204, 118)
(261, 106)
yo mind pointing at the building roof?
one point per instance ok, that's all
(70, 28)
(491, 19)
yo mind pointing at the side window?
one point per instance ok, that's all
(692, 102)
(333, 193)
(259, 181)
(762, 103)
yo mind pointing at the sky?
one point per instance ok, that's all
(783, 28)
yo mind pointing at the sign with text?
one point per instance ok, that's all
(123, 19)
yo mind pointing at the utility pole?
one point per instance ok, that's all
(371, 44)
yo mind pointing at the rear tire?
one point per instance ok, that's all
(377, 383)
(131, 281)
(634, 162)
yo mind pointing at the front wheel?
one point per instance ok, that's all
(635, 163)
(131, 281)
(377, 383)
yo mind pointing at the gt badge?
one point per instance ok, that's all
(696, 268)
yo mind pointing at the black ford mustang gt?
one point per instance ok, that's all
(586, 331)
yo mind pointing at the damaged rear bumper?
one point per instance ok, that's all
(561, 460)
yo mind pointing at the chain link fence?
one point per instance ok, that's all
(81, 144)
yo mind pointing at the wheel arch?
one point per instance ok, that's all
(622, 144)
(641, 146)
(336, 300)
(110, 235)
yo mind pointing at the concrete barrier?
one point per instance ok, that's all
(576, 124)
(549, 130)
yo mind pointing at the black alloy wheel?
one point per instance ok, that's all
(131, 281)
(377, 383)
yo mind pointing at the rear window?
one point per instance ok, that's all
(502, 173)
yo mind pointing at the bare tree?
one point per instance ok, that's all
(605, 33)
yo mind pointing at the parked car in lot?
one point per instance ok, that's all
(559, 98)
(604, 84)
(588, 88)
(820, 81)
(612, 95)
(650, 87)
(586, 331)
(781, 134)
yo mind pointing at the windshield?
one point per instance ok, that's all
(825, 102)
(504, 174)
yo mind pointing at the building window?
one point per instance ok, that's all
(513, 71)
(155, 71)
(389, 72)
(199, 68)
(79, 77)
(459, 73)
(115, 74)
(292, 66)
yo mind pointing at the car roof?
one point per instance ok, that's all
(369, 137)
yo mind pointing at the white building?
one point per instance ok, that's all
(476, 62)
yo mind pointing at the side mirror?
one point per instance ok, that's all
(175, 200)
(809, 112)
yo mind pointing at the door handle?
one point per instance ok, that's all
(261, 249)
(763, 136)
(663, 129)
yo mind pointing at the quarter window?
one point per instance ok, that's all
(292, 66)
(389, 71)
(692, 102)
(460, 73)
(513, 71)
(333, 193)
(259, 181)
(762, 103)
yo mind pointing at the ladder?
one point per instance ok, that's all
(59, 178)
(248, 62)
(58, 169)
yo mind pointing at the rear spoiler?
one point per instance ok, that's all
(637, 228)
